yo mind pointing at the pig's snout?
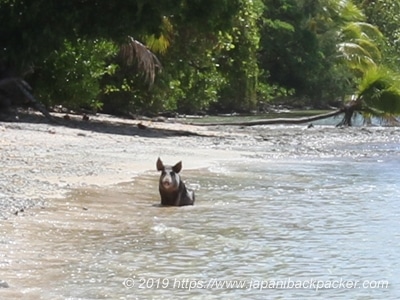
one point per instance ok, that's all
(169, 181)
(166, 181)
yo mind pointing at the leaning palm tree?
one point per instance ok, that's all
(378, 95)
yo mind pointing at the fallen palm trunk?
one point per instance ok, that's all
(276, 120)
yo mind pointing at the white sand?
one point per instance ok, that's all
(41, 161)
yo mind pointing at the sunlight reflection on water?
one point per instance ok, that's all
(252, 220)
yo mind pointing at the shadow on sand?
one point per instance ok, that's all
(106, 124)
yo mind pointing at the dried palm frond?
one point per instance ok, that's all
(147, 62)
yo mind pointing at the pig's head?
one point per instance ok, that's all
(169, 179)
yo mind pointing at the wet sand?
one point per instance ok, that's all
(41, 161)
(305, 219)
(104, 173)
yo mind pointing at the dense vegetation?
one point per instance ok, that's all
(204, 55)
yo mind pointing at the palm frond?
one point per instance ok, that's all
(380, 92)
(375, 79)
(135, 52)
(361, 30)
(386, 101)
(160, 44)
(385, 118)
(355, 55)
(371, 48)
(359, 47)
(349, 11)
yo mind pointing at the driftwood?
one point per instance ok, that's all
(23, 87)
(277, 120)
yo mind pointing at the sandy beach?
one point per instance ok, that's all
(41, 161)
(80, 216)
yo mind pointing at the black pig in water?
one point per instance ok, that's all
(172, 189)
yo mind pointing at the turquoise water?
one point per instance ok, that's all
(305, 228)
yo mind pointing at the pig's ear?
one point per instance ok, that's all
(177, 168)
(160, 165)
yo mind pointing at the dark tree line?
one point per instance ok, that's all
(137, 56)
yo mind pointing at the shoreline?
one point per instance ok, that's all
(42, 161)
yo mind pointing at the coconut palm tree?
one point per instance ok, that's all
(378, 95)
(357, 47)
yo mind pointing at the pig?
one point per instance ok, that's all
(173, 191)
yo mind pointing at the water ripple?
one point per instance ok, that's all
(254, 220)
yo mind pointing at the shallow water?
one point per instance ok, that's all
(304, 222)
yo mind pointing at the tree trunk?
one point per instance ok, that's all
(349, 110)
(277, 120)
(23, 87)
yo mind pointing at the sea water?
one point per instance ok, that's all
(312, 228)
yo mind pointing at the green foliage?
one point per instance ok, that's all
(385, 14)
(160, 44)
(221, 55)
(297, 49)
(379, 90)
(191, 78)
(241, 68)
(70, 76)
(188, 83)
(325, 48)
(125, 92)
(359, 47)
